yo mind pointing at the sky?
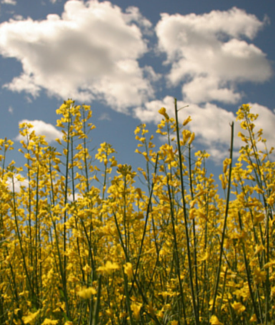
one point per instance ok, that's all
(127, 59)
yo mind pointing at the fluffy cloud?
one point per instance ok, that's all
(19, 181)
(210, 123)
(104, 116)
(211, 53)
(42, 128)
(89, 52)
(77, 196)
(265, 121)
(9, 2)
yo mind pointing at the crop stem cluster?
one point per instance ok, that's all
(82, 244)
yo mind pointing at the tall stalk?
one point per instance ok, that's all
(225, 220)
(193, 229)
(176, 251)
(195, 313)
(248, 273)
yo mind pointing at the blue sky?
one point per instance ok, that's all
(127, 59)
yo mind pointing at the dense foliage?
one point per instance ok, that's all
(81, 245)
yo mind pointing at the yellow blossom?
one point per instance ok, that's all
(136, 307)
(191, 138)
(215, 321)
(187, 120)
(162, 111)
(31, 317)
(48, 321)
(128, 269)
(238, 307)
(87, 269)
(86, 293)
(109, 268)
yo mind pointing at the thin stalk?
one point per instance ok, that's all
(85, 154)
(76, 225)
(36, 224)
(194, 229)
(97, 305)
(128, 304)
(247, 267)
(225, 219)
(146, 221)
(65, 198)
(21, 246)
(58, 251)
(267, 284)
(176, 251)
(61, 268)
(29, 206)
(195, 313)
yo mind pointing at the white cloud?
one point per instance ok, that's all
(104, 116)
(18, 17)
(9, 2)
(17, 183)
(210, 123)
(24, 82)
(77, 196)
(10, 110)
(206, 89)
(42, 128)
(133, 15)
(265, 121)
(89, 52)
(211, 53)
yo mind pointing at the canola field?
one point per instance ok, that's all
(84, 246)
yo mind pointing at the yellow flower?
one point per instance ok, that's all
(258, 249)
(174, 322)
(192, 213)
(238, 307)
(137, 130)
(205, 257)
(186, 134)
(243, 125)
(48, 321)
(108, 268)
(136, 307)
(128, 269)
(214, 320)
(253, 318)
(31, 317)
(86, 293)
(191, 138)
(246, 107)
(226, 162)
(162, 111)
(187, 120)
(271, 263)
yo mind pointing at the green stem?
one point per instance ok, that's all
(195, 313)
(225, 220)
(194, 229)
(176, 251)
(97, 305)
(248, 273)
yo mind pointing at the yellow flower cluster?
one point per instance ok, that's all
(81, 248)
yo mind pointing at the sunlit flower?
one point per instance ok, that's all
(128, 269)
(86, 293)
